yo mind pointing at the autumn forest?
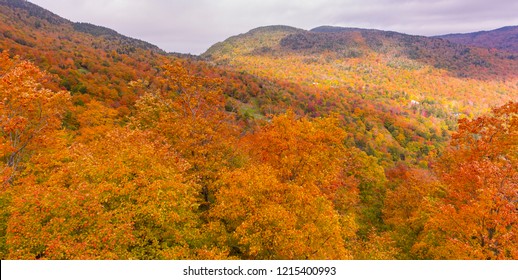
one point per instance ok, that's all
(280, 143)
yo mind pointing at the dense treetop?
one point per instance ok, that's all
(280, 143)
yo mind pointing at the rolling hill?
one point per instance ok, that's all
(91, 62)
(357, 43)
(505, 38)
(377, 80)
(280, 143)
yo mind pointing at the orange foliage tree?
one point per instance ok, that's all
(302, 151)
(293, 198)
(478, 216)
(29, 112)
(407, 205)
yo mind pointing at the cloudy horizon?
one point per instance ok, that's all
(192, 26)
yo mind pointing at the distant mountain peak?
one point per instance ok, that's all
(333, 29)
(274, 28)
(347, 42)
(504, 38)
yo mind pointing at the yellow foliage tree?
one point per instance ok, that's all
(189, 113)
(265, 218)
(119, 197)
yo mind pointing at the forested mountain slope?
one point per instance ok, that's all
(399, 95)
(505, 38)
(280, 143)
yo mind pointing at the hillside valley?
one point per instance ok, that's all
(279, 143)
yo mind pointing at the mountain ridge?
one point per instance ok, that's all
(462, 60)
(503, 38)
(231, 42)
(40, 13)
(90, 61)
(282, 144)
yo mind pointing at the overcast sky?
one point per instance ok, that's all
(192, 26)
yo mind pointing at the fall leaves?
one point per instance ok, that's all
(263, 218)
(469, 210)
(29, 113)
(182, 178)
(281, 204)
(478, 215)
(295, 156)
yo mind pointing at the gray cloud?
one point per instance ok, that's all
(191, 26)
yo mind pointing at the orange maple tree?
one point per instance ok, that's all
(28, 113)
(478, 216)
